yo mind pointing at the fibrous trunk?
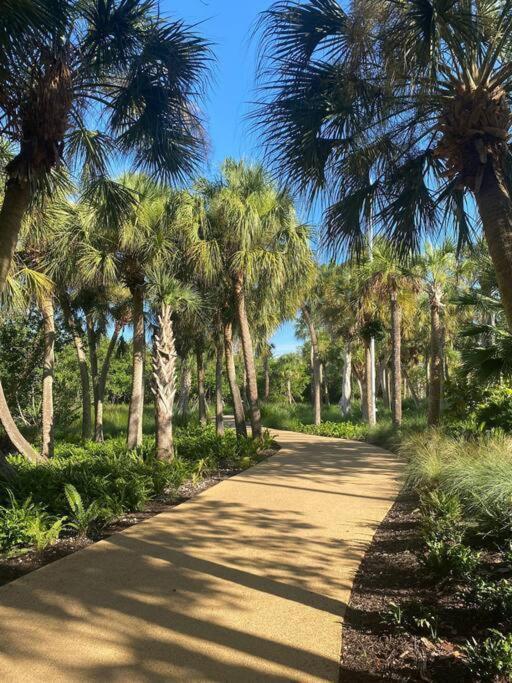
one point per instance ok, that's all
(15, 203)
(164, 382)
(248, 353)
(238, 408)
(136, 411)
(48, 417)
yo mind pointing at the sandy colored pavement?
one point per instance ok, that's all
(246, 582)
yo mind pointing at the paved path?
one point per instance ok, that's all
(245, 583)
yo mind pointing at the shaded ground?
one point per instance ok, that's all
(392, 573)
(246, 581)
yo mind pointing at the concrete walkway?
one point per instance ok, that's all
(246, 583)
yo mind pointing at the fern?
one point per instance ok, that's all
(82, 517)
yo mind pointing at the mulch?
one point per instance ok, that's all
(391, 572)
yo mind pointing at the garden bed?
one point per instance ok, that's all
(391, 573)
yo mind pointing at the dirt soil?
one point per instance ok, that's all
(391, 572)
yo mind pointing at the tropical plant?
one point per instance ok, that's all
(401, 106)
(68, 62)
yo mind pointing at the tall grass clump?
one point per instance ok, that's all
(477, 471)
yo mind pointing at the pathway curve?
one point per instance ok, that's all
(246, 583)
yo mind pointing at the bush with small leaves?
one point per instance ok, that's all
(492, 596)
(491, 659)
(441, 517)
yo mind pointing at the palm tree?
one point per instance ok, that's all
(140, 74)
(407, 103)
(436, 268)
(23, 284)
(250, 235)
(169, 297)
(306, 311)
(388, 277)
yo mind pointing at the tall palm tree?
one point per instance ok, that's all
(169, 296)
(251, 235)
(416, 94)
(389, 278)
(66, 63)
(436, 268)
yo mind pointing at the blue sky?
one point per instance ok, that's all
(228, 24)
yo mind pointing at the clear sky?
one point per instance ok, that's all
(228, 25)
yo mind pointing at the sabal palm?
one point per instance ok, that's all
(65, 64)
(436, 268)
(403, 103)
(125, 243)
(169, 296)
(251, 235)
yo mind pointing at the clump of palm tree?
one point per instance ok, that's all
(250, 237)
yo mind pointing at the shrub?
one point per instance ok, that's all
(491, 658)
(24, 524)
(493, 596)
(441, 517)
(496, 410)
(82, 517)
(455, 560)
(339, 430)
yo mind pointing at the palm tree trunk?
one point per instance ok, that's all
(200, 387)
(369, 394)
(136, 411)
(92, 343)
(412, 388)
(317, 407)
(396, 361)
(436, 365)
(266, 372)
(495, 208)
(48, 416)
(325, 387)
(219, 403)
(238, 406)
(346, 382)
(75, 331)
(185, 386)
(14, 206)
(164, 382)
(102, 383)
(250, 367)
(289, 391)
(11, 429)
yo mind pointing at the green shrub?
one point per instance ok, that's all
(441, 517)
(339, 430)
(492, 596)
(82, 517)
(455, 560)
(492, 658)
(24, 524)
(495, 412)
